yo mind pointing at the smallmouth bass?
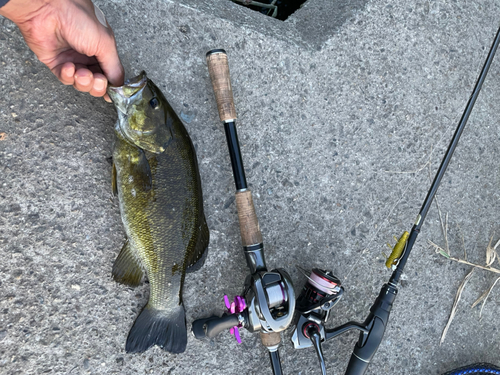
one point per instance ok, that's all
(156, 178)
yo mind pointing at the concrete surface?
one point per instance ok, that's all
(336, 123)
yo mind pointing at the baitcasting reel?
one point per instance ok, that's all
(266, 306)
(271, 301)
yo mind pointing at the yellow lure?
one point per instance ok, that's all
(397, 250)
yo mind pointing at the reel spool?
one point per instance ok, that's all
(320, 292)
(271, 301)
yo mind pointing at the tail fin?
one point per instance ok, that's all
(165, 328)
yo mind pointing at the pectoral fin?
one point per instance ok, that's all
(197, 258)
(127, 267)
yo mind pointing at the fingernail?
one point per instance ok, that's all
(99, 84)
(100, 16)
(68, 73)
(84, 81)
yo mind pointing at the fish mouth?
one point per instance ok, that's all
(137, 82)
(122, 96)
(144, 132)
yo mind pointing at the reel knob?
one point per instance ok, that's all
(236, 307)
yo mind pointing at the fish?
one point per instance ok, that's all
(156, 178)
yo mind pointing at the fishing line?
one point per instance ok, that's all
(401, 198)
(416, 173)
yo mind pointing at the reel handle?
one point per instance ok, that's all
(218, 69)
(211, 327)
(315, 337)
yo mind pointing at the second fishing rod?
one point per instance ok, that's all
(310, 329)
(267, 303)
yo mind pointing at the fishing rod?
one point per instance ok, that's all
(267, 303)
(322, 290)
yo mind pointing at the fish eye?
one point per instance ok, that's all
(154, 103)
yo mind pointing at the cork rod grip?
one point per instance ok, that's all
(249, 225)
(270, 339)
(218, 69)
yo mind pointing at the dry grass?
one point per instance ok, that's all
(491, 256)
(455, 304)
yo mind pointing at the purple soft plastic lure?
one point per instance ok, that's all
(235, 307)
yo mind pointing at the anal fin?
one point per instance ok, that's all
(197, 258)
(127, 268)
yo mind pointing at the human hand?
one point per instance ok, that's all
(71, 37)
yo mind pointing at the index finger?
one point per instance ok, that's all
(107, 54)
(109, 60)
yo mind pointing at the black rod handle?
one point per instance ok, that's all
(274, 356)
(376, 323)
(366, 347)
(235, 154)
(356, 366)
